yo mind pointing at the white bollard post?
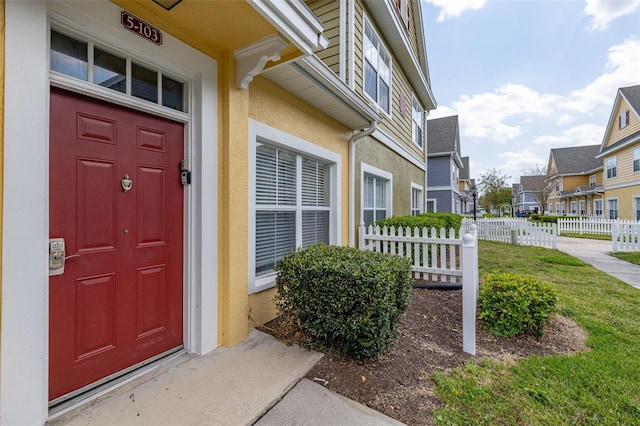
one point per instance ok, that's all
(469, 292)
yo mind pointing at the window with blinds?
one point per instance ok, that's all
(416, 201)
(292, 204)
(374, 199)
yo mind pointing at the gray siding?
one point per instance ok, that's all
(438, 171)
(328, 12)
(443, 203)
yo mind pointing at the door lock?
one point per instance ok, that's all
(56, 256)
(185, 173)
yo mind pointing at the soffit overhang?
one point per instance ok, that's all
(309, 79)
(214, 27)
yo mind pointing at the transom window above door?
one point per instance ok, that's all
(87, 62)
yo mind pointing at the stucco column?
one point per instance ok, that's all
(233, 187)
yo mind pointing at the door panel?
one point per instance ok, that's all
(120, 301)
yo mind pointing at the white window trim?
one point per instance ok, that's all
(623, 119)
(435, 204)
(371, 170)
(389, 114)
(634, 152)
(573, 206)
(606, 212)
(635, 206)
(595, 208)
(592, 180)
(24, 376)
(420, 188)
(606, 167)
(279, 139)
(413, 133)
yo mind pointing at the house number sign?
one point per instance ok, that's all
(140, 28)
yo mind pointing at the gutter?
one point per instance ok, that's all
(352, 178)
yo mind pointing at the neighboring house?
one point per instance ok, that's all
(620, 154)
(575, 176)
(465, 187)
(443, 164)
(528, 193)
(180, 151)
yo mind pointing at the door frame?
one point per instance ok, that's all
(25, 316)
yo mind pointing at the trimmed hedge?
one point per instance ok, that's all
(511, 305)
(549, 218)
(424, 220)
(345, 298)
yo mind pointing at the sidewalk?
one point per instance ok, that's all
(594, 252)
(258, 380)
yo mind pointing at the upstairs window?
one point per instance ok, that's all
(636, 160)
(377, 69)
(416, 116)
(612, 169)
(623, 119)
(404, 10)
(592, 180)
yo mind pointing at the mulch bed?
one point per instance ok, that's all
(430, 339)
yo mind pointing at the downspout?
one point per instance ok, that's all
(425, 195)
(352, 178)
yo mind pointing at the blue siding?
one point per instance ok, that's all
(443, 203)
(438, 171)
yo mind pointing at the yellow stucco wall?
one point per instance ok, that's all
(232, 206)
(277, 108)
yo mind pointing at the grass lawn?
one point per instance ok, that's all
(631, 257)
(601, 386)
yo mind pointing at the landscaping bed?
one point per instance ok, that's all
(399, 383)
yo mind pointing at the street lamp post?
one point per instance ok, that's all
(474, 194)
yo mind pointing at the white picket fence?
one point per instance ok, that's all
(437, 256)
(517, 231)
(625, 236)
(585, 225)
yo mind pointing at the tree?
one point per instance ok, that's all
(495, 188)
(538, 184)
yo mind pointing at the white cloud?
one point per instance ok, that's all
(564, 119)
(454, 8)
(622, 69)
(490, 115)
(584, 134)
(441, 111)
(514, 163)
(603, 12)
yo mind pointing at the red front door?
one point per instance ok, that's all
(120, 298)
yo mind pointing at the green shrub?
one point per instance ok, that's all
(550, 218)
(424, 220)
(345, 298)
(511, 305)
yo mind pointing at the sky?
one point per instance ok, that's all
(526, 76)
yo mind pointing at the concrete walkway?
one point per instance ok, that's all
(594, 252)
(241, 385)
